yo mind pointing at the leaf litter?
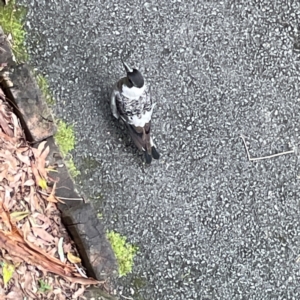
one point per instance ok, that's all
(34, 244)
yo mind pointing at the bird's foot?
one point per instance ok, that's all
(154, 153)
(148, 157)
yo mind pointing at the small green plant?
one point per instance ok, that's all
(65, 137)
(44, 287)
(11, 21)
(124, 252)
(44, 87)
(71, 167)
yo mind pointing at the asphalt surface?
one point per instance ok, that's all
(209, 223)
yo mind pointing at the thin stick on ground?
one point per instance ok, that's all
(61, 198)
(264, 157)
(129, 298)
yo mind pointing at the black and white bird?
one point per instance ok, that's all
(131, 101)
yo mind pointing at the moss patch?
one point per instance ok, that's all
(11, 21)
(44, 87)
(65, 137)
(124, 252)
(71, 167)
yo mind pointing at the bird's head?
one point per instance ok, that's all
(134, 76)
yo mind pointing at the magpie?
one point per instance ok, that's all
(131, 101)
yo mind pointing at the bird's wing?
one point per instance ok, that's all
(141, 136)
(148, 103)
(116, 98)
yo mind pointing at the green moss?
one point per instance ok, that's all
(124, 252)
(44, 87)
(11, 21)
(65, 137)
(71, 167)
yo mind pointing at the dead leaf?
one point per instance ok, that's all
(84, 281)
(18, 132)
(7, 270)
(80, 271)
(19, 215)
(51, 197)
(7, 197)
(7, 138)
(43, 234)
(29, 182)
(38, 241)
(24, 159)
(73, 259)
(5, 116)
(25, 230)
(46, 222)
(42, 183)
(5, 218)
(41, 162)
(17, 247)
(31, 231)
(60, 250)
(40, 148)
(52, 252)
(13, 295)
(36, 174)
(78, 293)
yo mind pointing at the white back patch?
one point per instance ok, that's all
(145, 118)
(133, 93)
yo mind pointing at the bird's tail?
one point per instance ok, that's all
(142, 139)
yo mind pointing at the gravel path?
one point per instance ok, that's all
(209, 223)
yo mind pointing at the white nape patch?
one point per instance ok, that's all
(145, 118)
(133, 93)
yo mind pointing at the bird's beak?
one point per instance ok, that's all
(127, 68)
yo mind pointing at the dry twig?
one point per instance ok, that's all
(264, 157)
